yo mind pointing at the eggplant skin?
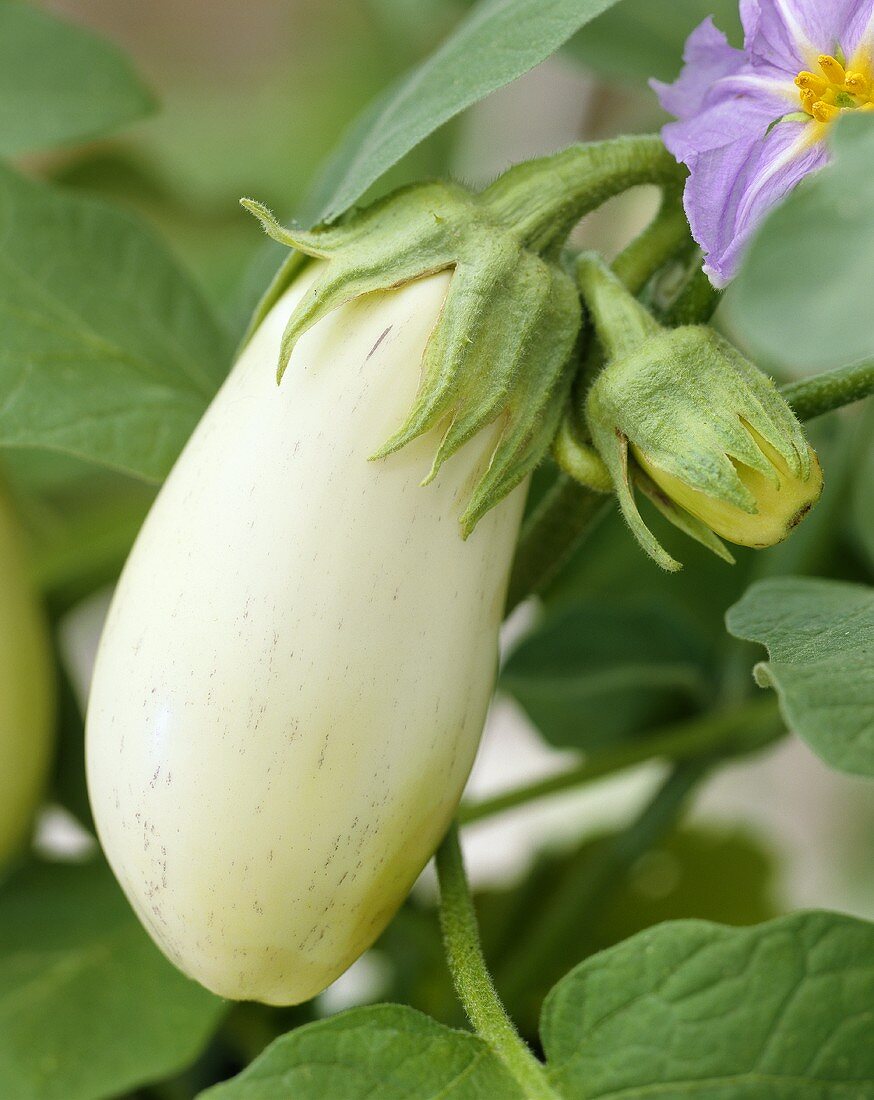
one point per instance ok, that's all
(297, 663)
(27, 692)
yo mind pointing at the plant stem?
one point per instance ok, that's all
(471, 978)
(665, 236)
(543, 199)
(743, 728)
(550, 535)
(576, 900)
(694, 304)
(824, 392)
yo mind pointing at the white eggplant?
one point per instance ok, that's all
(26, 692)
(296, 667)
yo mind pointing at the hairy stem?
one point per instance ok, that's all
(693, 304)
(743, 728)
(472, 980)
(544, 198)
(825, 392)
(665, 236)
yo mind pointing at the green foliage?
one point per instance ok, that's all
(80, 519)
(60, 83)
(779, 1010)
(637, 39)
(108, 353)
(691, 874)
(88, 1005)
(388, 1050)
(497, 42)
(820, 636)
(787, 316)
(598, 672)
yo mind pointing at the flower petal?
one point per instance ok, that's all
(733, 187)
(859, 36)
(708, 57)
(739, 108)
(790, 34)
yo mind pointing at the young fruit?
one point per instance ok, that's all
(299, 656)
(26, 692)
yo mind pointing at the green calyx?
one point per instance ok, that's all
(503, 346)
(682, 416)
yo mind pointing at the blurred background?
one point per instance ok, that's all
(251, 100)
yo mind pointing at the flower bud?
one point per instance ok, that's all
(686, 418)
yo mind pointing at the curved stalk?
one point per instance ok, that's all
(570, 511)
(543, 199)
(471, 978)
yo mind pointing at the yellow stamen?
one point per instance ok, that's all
(825, 112)
(811, 82)
(839, 89)
(832, 68)
(808, 100)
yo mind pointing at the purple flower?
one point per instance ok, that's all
(751, 123)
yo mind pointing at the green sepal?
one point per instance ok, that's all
(289, 269)
(502, 347)
(681, 519)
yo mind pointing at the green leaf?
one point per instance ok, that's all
(388, 1051)
(637, 39)
(600, 671)
(697, 1011)
(60, 83)
(497, 42)
(108, 353)
(776, 303)
(89, 1007)
(820, 637)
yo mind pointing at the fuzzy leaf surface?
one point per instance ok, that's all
(697, 1011)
